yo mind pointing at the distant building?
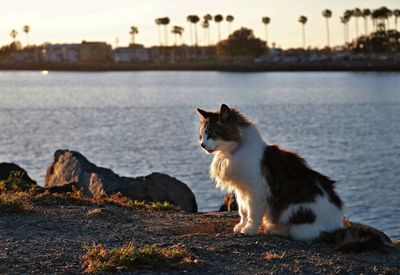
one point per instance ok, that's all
(95, 52)
(181, 54)
(133, 53)
(61, 53)
(27, 55)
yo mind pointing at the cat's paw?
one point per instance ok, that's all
(238, 228)
(249, 230)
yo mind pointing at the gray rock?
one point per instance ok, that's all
(71, 168)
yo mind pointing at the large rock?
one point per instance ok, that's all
(71, 168)
(15, 177)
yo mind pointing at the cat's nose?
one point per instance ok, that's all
(203, 145)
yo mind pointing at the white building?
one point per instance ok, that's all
(136, 53)
(58, 53)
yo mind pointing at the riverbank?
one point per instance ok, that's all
(53, 235)
(213, 66)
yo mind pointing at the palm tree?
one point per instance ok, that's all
(218, 19)
(344, 20)
(266, 20)
(165, 21)
(134, 30)
(206, 25)
(303, 20)
(26, 29)
(229, 19)
(327, 14)
(158, 23)
(208, 18)
(365, 14)
(357, 13)
(396, 14)
(177, 31)
(193, 20)
(380, 16)
(348, 14)
(13, 35)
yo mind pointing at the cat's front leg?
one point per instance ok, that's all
(242, 213)
(255, 211)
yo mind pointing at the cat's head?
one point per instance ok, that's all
(220, 130)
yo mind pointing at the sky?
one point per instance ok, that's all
(72, 21)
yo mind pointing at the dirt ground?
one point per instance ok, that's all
(51, 239)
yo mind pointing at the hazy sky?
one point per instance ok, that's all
(73, 20)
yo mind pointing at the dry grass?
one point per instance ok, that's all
(15, 202)
(130, 258)
(272, 256)
(78, 198)
(119, 200)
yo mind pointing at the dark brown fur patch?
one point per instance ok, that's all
(227, 130)
(291, 181)
(302, 216)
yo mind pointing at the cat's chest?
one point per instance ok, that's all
(236, 169)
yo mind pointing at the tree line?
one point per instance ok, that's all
(380, 19)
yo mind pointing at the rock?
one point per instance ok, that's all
(71, 168)
(229, 203)
(16, 177)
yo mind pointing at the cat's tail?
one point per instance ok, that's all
(357, 238)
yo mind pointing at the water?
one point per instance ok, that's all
(346, 125)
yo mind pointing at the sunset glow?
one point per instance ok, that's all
(74, 21)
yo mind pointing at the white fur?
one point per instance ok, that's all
(209, 144)
(327, 218)
(241, 172)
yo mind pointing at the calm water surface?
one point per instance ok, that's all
(346, 125)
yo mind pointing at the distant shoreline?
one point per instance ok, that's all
(229, 67)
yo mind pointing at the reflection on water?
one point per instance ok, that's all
(345, 124)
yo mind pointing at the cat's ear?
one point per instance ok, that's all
(224, 113)
(202, 114)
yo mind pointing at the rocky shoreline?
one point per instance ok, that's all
(51, 234)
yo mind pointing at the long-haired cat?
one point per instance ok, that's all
(274, 187)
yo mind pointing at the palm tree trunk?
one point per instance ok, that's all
(327, 32)
(229, 28)
(166, 35)
(304, 36)
(219, 31)
(356, 27)
(159, 35)
(266, 35)
(196, 38)
(395, 22)
(191, 33)
(27, 39)
(365, 26)
(344, 33)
